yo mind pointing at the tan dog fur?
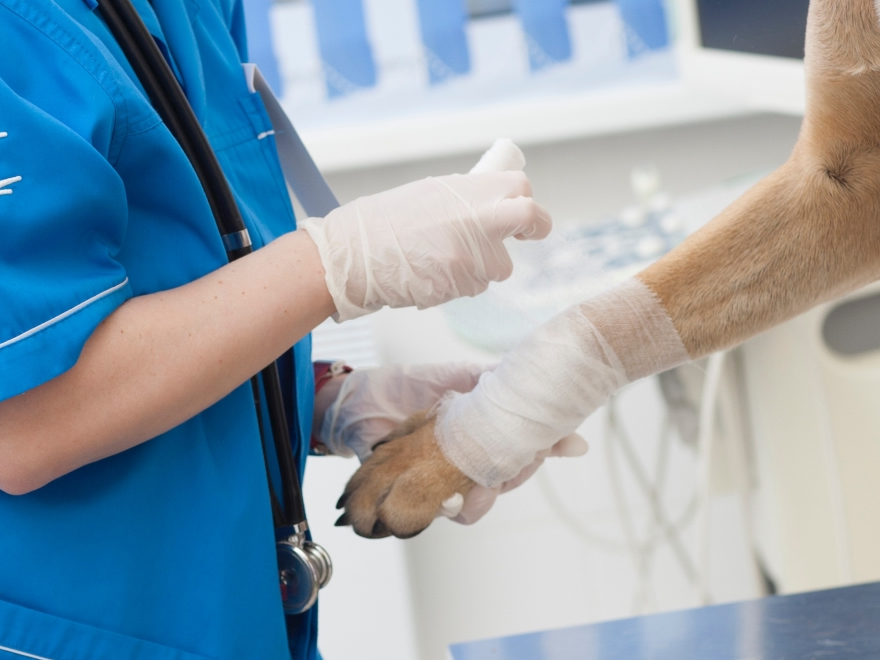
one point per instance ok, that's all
(808, 233)
(399, 489)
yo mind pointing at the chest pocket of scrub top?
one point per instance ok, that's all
(249, 158)
(26, 633)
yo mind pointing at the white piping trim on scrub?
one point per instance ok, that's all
(62, 316)
(22, 653)
(265, 134)
(6, 182)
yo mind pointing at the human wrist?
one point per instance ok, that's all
(329, 380)
(306, 266)
(343, 264)
(325, 398)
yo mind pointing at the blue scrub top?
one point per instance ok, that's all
(165, 551)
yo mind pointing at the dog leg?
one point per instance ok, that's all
(811, 231)
(807, 234)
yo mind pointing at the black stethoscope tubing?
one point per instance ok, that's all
(170, 102)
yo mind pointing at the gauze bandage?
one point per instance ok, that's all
(427, 242)
(554, 379)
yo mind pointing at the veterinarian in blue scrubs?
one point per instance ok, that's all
(160, 549)
(132, 556)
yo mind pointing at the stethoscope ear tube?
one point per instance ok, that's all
(170, 102)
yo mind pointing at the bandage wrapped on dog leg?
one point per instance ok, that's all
(554, 379)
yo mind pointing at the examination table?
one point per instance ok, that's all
(836, 624)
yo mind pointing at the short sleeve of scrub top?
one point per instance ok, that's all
(165, 551)
(65, 211)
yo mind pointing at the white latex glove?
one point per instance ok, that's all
(425, 243)
(373, 402)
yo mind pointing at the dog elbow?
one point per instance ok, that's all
(837, 166)
(837, 176)
(846, 172)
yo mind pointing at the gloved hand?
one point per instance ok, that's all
(425, 243)
(373, 402)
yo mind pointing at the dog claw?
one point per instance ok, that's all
(343, 520)
(380, 443)
(379, 529)
(342, 500)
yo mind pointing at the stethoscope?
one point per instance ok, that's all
(304, 567)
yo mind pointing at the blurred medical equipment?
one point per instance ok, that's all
(758, 27)
(750, 51)
(813, 385)
(570, 266)
(304, 567)
(618, 78)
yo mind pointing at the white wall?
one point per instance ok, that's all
(366, 610)
(523, 568)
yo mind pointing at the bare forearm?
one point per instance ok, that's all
(160, 359)
(325, 398)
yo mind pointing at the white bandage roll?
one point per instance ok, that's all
(502, 156)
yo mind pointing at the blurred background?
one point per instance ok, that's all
(751, 473)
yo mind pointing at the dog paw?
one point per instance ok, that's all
(403, 486)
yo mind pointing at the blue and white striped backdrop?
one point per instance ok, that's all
(321, 50)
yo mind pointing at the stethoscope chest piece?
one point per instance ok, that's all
(303, 569)
(321, 559)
